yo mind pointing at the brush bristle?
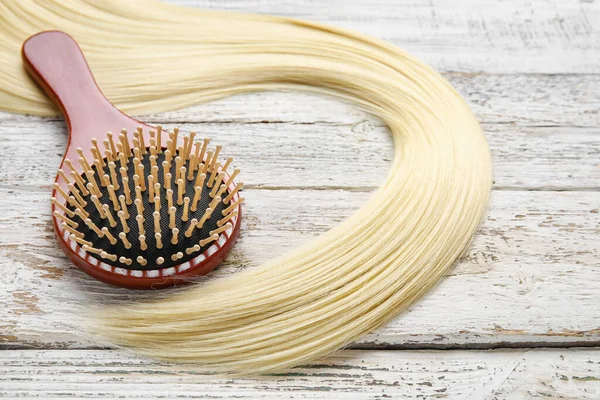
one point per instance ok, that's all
(146, 206)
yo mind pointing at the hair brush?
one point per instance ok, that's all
(141, 208)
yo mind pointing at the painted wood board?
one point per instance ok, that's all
(529, 71)
(531, 275)
(278, 148)
(556, 100)
(509, 36)
(516, 374)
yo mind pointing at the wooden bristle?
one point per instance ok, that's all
(76, 194)
(127, 147)
(80, 240)
(205, 143)
(139, 205)
(109, 235)
(141, 177)
(221, 229)
(142, 240)
(212, 177)
(125, 260)
(219, 180)
(61, 207)
(207, 161)
(233, 206)
(215, 157)
(66, 219)
(104, 180)
(197, 195)
(207, 215)
(227, 218)
(113, 197)
(156, 203)
(201, 177)
(221, 190)
(62, 174)
(140, 222)
(186, 208)
(159, 138)
(183, 149)
(227, 164)
(168, 181)
(175, 141)
(237, 188)
(190, 144)
(232, 177)
(214, 203)
(109, 215)
(124, 224)
(123, 238)
(191, 250)
(108, 256)
(113, 175)
(172, 211)
(113, 149)
(94, 227)
(72, 230)
(80, 183)
(97, 152)
(180, 191)
(191, 228)
(192, 169)
(85, 164)
(90, 249)
(123, 204)
(206, 241)
(98, 205)
(156, 216)
(217, 185)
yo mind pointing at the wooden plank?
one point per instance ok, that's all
(517, 99)
(275, 143)
(288, 155)
(573, 374)
(530, 278)
(508, 36)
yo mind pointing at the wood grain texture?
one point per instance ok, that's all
(531, 73)
(532, 100)
(299, 140)
(530, 278)
(570, 374)
(509, 36)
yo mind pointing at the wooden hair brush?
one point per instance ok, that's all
(141, 208)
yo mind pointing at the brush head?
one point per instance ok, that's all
(145, 210)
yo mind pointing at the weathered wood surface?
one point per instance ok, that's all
(533, 100)
(498, 375)
(537, 36)
(531, 73)
(300, 140)
(530, 277)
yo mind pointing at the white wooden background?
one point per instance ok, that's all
(518, 318)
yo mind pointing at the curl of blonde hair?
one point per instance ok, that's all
(151, 57)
